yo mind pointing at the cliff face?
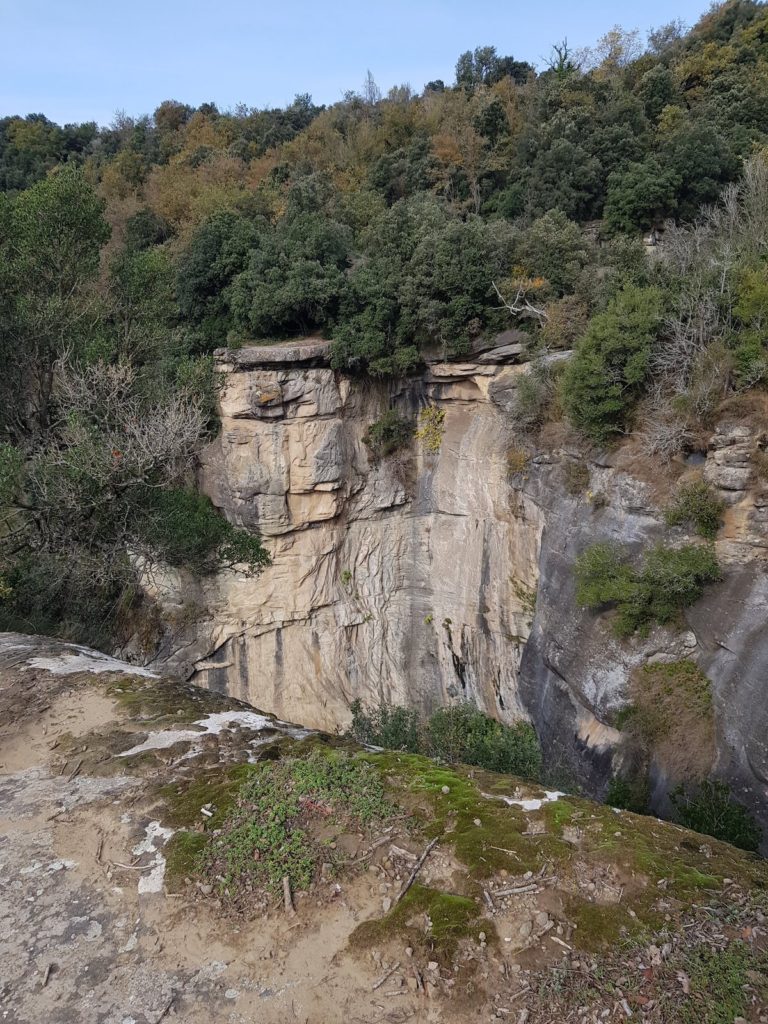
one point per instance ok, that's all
(449, 576)
(410, 582)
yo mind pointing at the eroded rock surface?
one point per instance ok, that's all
(432, 577)
(402, 581)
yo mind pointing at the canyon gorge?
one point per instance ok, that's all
(437, 576)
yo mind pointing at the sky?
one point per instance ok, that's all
(83, 60)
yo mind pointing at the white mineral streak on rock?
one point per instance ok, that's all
(214, 724)
(155, 834)
(529, 803)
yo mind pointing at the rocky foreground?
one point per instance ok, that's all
(145, 878)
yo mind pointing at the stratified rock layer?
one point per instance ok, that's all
(403, 580)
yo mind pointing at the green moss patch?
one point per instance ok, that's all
(450, 804)
(431, 921)
(719, 981)
(601, 925)
(164, 701)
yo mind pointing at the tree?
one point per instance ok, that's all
(607, 372)
(109, 478)
(53, 233)
(553, 247)
(484, 66)
(293, 280)
(217, 253)
(641, 196)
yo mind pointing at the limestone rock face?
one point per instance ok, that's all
(408, 580)
(428, 578)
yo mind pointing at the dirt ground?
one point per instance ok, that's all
(89, 933)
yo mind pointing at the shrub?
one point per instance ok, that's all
(387, 725)
(534, 396)
(629, 793)
(387, 434)
(668, 580)
(517, 460)
(606, 375)
(431, 428)
(459, 733)
(576, 477)
(462, 733)
(183, 528)
(713, 811)
(696, 504)
(271, 832)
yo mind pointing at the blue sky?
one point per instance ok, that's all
(77, 60)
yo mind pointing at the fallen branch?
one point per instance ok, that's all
(75, 771)
(383, 978)
(287, 897)
(515, 890)
(398, 851)
(417, 867)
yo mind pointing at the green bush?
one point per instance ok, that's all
(390, 726)
(668, 580)
(629, 793)
(696, 504)
(388, 434)
(462, 733)
(607, 373)
(75, 597)
(454, 734)
(712, 810)
(271, 831)
(183, 528)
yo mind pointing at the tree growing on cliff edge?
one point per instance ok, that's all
(103, 497)
(606, 375)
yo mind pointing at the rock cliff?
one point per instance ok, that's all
(446, 576)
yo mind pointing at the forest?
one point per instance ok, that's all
(396, 225)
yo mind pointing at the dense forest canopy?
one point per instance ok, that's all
(395, 225)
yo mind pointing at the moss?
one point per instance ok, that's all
(497, 842)
(558, 814)
(163, 701)
(183, 853)
(601, 925)
(718, 980)
(430, 920)
(218, 787)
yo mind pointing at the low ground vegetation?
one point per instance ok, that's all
(388, 434)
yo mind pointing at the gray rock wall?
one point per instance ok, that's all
(413, 580)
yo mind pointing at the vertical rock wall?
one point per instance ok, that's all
(410, 580)
(430, 578)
